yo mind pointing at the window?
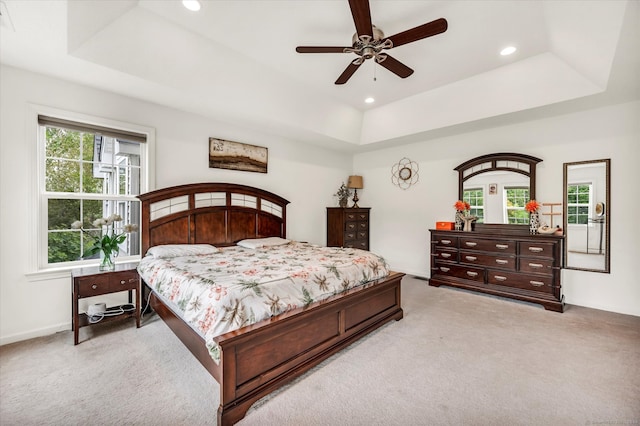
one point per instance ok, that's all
(86, 172)
(475, 198)
(578, 203)
(515, 200)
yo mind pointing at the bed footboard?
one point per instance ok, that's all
(262, 358)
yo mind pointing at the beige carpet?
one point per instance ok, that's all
(455, 359)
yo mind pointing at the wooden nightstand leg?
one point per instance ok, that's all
(138, 300)
(75, 323)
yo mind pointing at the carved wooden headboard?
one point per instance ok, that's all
(220, 214)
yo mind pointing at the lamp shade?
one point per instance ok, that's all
(355, 182)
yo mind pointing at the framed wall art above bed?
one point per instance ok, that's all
(237, 156)
(268, 336)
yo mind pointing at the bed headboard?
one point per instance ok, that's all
(220, 214)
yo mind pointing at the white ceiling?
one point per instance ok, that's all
(235, 61)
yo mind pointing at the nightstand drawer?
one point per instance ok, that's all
(121, 281)
(93, 285)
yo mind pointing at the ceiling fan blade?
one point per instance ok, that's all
(321, 49)
(418, 33)
(361, 17)
(396, 67)
(347, 73)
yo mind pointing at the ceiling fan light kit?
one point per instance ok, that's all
(369, 42)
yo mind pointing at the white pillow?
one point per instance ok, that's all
(254, 243)
(175, 250)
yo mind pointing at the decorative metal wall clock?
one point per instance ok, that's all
(404, 173)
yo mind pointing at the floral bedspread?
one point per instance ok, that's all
(235, 286)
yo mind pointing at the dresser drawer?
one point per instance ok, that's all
(523, 281)
(537, 266)
(459, 271)
(445, 241)
(481, 259)
(501, 246)
(445, 254)
(359, 244)
(357, 216)
(539, 249)
(356, 226)
(93, 285)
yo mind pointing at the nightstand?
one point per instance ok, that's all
(89, 282)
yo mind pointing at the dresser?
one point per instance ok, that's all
(348, 227)
(518, 266)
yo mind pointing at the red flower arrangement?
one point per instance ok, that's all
(532, 206)
(462, 206)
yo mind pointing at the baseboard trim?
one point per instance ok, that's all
(45, 331)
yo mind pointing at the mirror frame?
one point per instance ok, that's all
(465, 172)
(607, 216)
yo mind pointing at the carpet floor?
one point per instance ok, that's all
(456, 358)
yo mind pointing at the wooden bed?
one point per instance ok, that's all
(257, 359)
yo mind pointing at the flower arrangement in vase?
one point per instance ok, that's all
(108, 243)
(343, 195)
(534, 217)
(463, 216)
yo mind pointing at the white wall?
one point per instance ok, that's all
(400, 219)
(307, 176)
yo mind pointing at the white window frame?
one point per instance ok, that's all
(38, 262)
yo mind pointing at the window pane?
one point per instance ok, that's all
(92, 183)
(88, 141)
(61, 143)
(64, 246)
(62, 176)
(62, 213)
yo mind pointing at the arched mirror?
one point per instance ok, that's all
(586, 215)
(497, 186)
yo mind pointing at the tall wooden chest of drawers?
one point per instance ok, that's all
(519, 266)
(348, 227)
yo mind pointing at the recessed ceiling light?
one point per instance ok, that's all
(193, 5)
(369, 100)
(507, 50)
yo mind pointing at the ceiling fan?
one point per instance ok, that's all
(369, 42)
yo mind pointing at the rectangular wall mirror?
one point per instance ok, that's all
(587, 188)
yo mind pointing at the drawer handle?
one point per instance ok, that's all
(445, 255)
(471, 244)
(536, 283)
(351, 226)
(133, 280)
(536, 265)
(351, 235)
(471, 258)
(445, 241)
(123, 282)
(500, 278)
(501, 261)
(363, 216)
(472, 274)
(536, 249)
(502, 246)
(444, 269)
(94, 286)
